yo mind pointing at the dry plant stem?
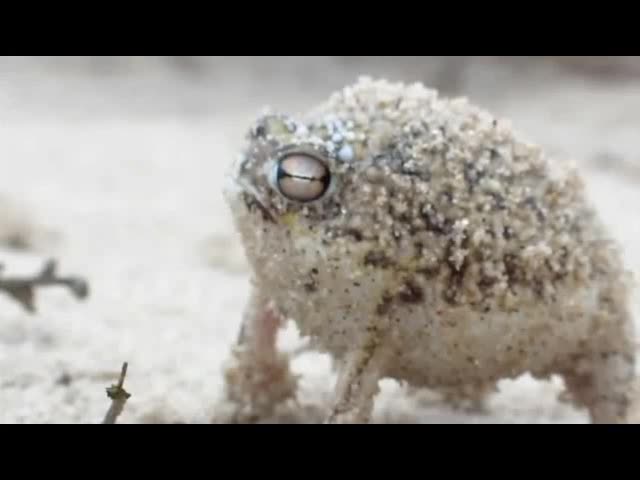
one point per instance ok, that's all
(118, 396)
(23, 289)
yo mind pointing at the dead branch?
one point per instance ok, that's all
(118, 396)
(23, 289)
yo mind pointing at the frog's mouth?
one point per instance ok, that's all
(253, 203)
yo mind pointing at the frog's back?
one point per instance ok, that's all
(468, 200)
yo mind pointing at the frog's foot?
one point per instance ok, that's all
(258, 378)
(257, 387)
(469, 398)
(604, 385)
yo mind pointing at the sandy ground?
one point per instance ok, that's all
(118, 176)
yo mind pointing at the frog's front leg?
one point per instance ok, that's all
(358, 383)
(259, 378)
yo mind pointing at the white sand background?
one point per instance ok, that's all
(114, 167)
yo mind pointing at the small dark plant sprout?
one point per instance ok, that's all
(118, 396)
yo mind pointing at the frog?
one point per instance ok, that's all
(420, 238)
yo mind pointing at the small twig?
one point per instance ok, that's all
(23, 289)
(118, 396)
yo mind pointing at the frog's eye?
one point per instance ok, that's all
(302, 177)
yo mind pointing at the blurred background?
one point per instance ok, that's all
(198, 85)
(114, 166)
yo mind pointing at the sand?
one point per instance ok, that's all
(117, 174)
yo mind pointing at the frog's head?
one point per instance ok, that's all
(324, 204)
(295, 194)
(294, 178)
